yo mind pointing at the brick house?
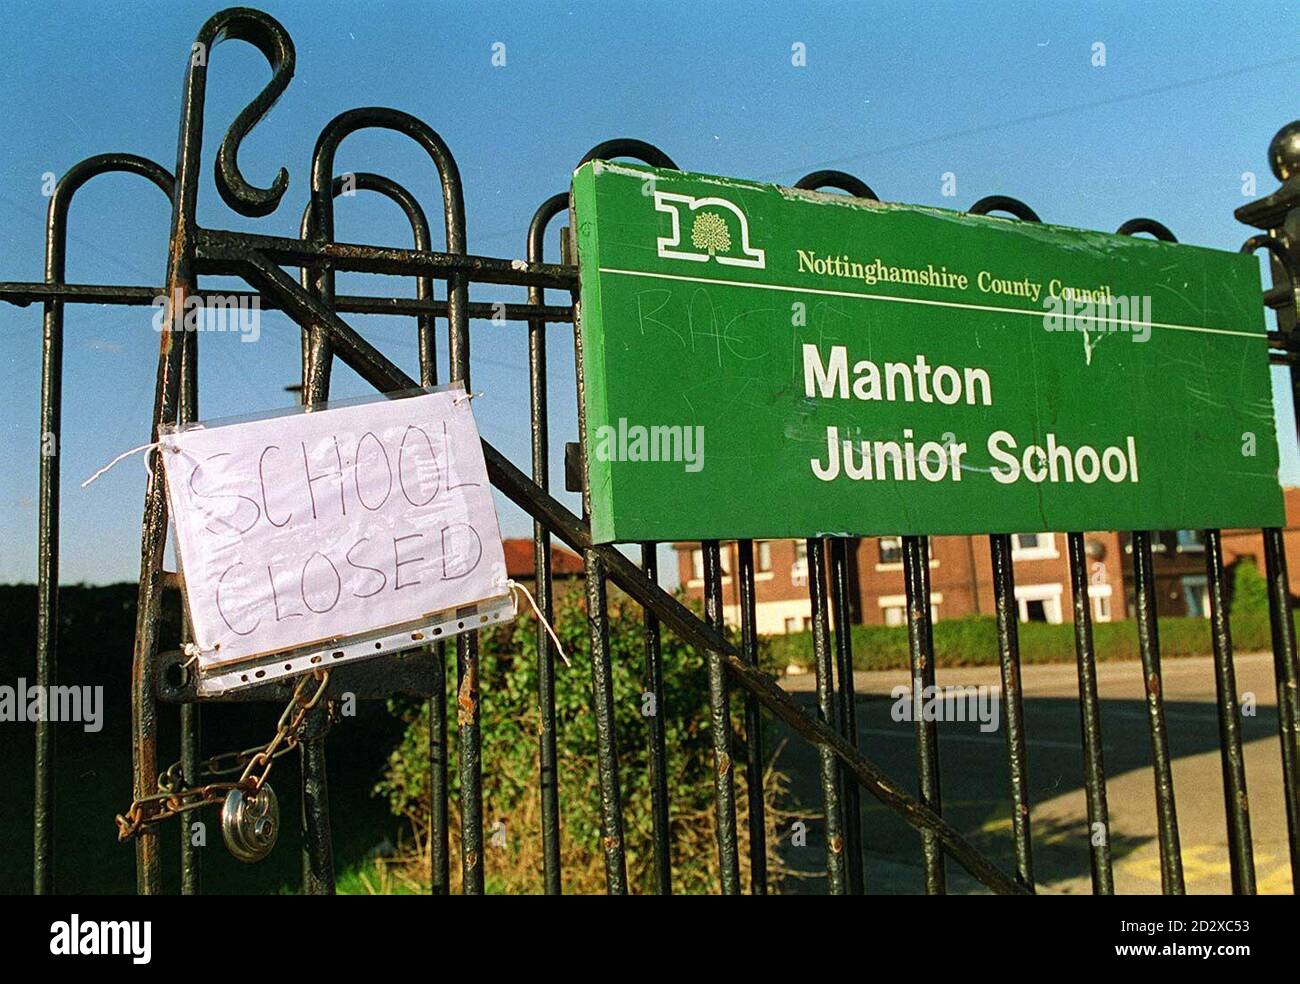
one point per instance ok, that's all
(961, 575)
(1179, 561)
(566, 566)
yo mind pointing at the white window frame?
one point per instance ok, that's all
(888, 565)
(1099, 596)
(799, 566)
(1048, 594)
(697, 564)
(1044, 549)
(886, 602)
(1202, 584)
(895, 565)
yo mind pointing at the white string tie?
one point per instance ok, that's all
(514, 586)
(193, 651)
(126, 454)
(463, 397)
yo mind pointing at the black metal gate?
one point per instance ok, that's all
(159, 678)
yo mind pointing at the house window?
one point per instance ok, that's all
(1157, 540)
(891, 549)
(697, 562)
(763, 556)
(1099, 596)
(1033, 546)
(1101, 609)
(799, 569)
(791, 626)
(1190, 541)
(893, 608)
(1039, 603)
(896, 615)
(1195, 596)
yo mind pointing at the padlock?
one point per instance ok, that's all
(250, 823)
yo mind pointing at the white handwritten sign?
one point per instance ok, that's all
(369, 523)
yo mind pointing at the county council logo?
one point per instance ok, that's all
(719, 230)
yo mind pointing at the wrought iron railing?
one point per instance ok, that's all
(316, 306)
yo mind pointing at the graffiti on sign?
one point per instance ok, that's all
(783, 363)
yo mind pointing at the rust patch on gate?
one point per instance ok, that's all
(466, 702)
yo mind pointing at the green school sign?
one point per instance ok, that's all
(767, 362)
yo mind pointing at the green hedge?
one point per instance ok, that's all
(974, 642)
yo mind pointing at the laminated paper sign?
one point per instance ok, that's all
(309, 538)
(770, 362)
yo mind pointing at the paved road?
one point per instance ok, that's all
(976, 794)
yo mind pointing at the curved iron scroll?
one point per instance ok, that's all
(270, 38)
(537, 405)
(421, 238)
(840, 181)
(646, 153)
(1004, 203)
(47, 564)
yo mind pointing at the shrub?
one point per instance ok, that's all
(1249, 589)
(511, 792)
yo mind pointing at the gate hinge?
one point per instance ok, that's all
(572, 467)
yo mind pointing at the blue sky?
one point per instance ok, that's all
(1002, 95)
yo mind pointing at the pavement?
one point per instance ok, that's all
(975, 785)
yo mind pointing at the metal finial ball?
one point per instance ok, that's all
(1284, 152)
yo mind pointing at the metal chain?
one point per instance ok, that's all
(222, 764)
(169, 802)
